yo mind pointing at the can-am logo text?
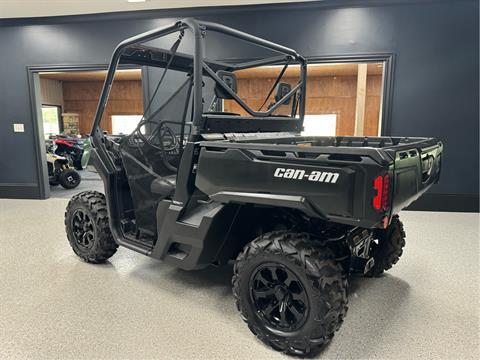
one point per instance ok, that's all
(297, 174)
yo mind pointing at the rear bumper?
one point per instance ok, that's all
(416, 170)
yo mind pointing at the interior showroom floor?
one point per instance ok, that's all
(53, 305)
(90, 181)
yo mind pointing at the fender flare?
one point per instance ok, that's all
(276, 200)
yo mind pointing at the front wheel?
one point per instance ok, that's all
(69, 178)
(87, 227)
(290, 291)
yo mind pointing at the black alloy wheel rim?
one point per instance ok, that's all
(82, 228)
(278, 297)
(71, 180)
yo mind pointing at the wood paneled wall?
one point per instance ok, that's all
(51, 92)
(373, 103)
(82, 97)
(325, 95)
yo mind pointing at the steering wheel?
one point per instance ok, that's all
(168, 143)
(162, 138)
(168, 139)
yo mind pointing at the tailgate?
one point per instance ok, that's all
(416, 169)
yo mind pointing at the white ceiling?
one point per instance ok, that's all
(36, 8)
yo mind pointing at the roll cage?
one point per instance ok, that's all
(133, 51)
(173, 188)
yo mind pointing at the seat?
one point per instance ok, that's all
(228, 78)
(164, 186)
(231, 80)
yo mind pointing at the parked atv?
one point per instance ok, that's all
(296, 214)
(59, 170)
(77, 150)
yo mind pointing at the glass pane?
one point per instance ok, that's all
(50, 121)
(124, 124)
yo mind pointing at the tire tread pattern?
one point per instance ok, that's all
(325, 275)
(390, 247)
(105, 246)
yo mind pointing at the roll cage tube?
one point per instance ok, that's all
(242, 103)
(253, 39)
(199, 30)
(146, 36)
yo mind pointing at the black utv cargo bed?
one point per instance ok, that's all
(350, 180)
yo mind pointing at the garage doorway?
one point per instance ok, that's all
(65, 102)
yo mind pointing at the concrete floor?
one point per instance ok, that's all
(52, 305)
(90, 181)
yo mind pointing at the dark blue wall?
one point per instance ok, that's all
(435, 91)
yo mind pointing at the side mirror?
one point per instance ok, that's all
(282, 90)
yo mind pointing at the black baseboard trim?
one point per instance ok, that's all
(19, 191)
(446, 202)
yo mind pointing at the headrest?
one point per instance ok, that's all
(230, 79)
(282, 90)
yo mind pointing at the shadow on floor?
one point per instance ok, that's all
(374, 298)
(374, 303)
(216, 280)
(90, 181)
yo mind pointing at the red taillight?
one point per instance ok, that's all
(386, 191)
(382, 185)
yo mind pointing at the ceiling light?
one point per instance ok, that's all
(136, 1)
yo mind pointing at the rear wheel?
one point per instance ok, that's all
(389, 248)
(290, 292)
(69, 179)
(88, 231)
(53, 182)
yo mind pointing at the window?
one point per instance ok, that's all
(51, 120)
(320, 125)
(124, 124)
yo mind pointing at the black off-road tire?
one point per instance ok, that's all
(69, 179)
(389, 248)
(93, 206)
(323, 281)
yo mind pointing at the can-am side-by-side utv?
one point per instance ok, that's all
(200, 183)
